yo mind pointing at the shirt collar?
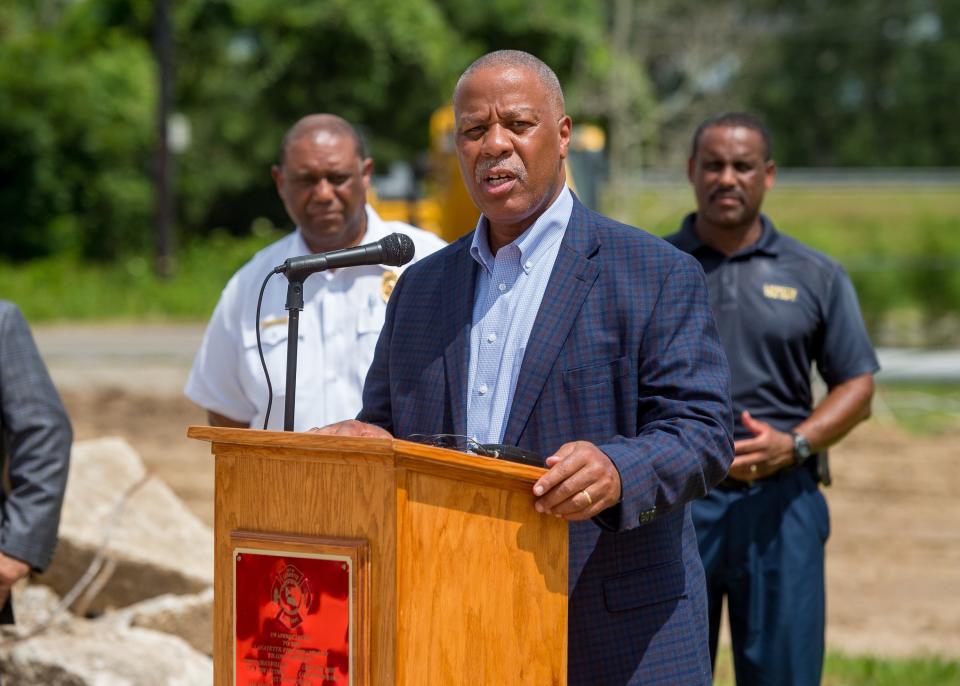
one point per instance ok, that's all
(533, 243)
(300, 246)
(769, 243)
(376, 229)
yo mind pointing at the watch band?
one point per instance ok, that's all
(801, 448)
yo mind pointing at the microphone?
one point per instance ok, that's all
(394, 250)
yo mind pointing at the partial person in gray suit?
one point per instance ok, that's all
(36, 438)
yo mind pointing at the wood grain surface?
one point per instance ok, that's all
(468, 583)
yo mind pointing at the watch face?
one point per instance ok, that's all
(801, 447)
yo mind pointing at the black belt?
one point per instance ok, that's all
(731, 484)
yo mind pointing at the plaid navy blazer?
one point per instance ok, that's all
(623, 353)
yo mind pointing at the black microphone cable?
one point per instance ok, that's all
(395, 249)
(263, 361)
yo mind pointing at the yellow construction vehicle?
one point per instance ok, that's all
(446, 208)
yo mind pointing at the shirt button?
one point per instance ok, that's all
(528, 266)
(502, 287)
(483, 388)
(491, 338)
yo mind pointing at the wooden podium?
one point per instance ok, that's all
(378, 562)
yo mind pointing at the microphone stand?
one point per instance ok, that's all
(294, 306)
(395, 250)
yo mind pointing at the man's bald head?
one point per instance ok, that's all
(517, 59)
(327, 123)
(322, 177)
(512, 139)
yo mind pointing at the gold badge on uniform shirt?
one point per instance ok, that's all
(387, 283)
(775, 292)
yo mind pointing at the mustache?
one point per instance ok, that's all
(515, 167)
(728, 191)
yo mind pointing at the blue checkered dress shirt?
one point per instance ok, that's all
(509, 290)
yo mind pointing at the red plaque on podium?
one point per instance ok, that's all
(294, 617)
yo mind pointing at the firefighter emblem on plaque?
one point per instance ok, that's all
(292, 618)
(292, 595)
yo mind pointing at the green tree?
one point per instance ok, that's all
(74, 138)
(865, 83)
(248, 69)
(79, 80)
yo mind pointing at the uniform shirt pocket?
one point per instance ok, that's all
(371, 316)
(273, 340)
(270, 336)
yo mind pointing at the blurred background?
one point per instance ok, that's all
(137, 135)
(136, 140)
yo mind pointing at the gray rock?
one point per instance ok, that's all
(34, 605)
(96, 654)
(157, 545)
(189, 617)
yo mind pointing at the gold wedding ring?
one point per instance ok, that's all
(587, 496)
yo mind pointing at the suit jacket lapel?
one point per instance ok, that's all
(574, 274)
(456, 317)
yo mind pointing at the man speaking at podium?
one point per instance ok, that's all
(322, 177)
(563, 332)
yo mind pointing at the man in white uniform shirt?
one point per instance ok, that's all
(322, 177)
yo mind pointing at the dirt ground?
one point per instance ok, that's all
(893, 560)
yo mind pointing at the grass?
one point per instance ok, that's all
(845, 670)
(845, 219)
(901, 246)
(919, 408)
(62, 288)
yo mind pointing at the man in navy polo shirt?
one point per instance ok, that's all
(780, 306)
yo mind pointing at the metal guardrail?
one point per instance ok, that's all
(825, 177)
(914, 365)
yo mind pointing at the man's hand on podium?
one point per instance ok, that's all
(351, 427)
(581, 482)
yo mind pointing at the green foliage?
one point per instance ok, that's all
(74, 142)
(858, 83)
(248, 70)
(78, 84)
(845, 83)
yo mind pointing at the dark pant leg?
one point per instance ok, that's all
(777, 607)
(6, 612)
(709, 521)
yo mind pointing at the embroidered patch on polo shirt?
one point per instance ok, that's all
(775, 292)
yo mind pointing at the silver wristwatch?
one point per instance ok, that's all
(801, 448)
